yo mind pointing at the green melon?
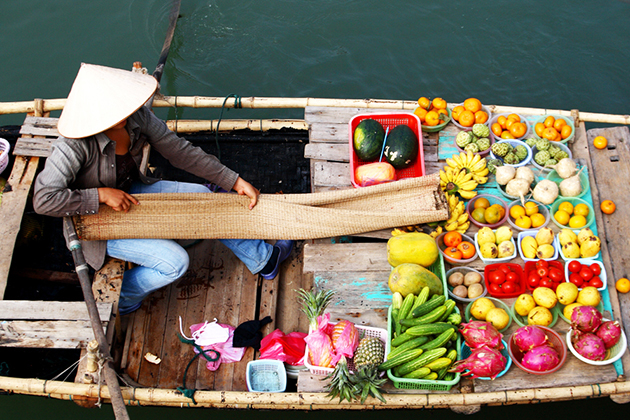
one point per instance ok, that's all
(368, 139)
(401, 147)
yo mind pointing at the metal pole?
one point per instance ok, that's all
(118, 404)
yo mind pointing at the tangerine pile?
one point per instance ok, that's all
(574, 217)
(431, 112)
(470, 113)
(553, 129)
(485, 213)
(527, 216)
(509, 127)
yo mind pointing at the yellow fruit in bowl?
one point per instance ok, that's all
(524, 222)
(583, 235)
(544, 236)
(540, 316)
(567, 235)
(531, 208)
(562, 217)
(524, 303)
(568, 310)
(567, 207)
(504, 233)
(480, 308)
(589, 296)
(489, 250)
(538, 220)
(576, 221)
(486, 235)
(581, 209)
(567, 293)
(498, 318)
(545, 251)
(529, 247)
(545, 297)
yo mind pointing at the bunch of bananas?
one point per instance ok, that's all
(458, 219)
(457, 181)
(472, 163)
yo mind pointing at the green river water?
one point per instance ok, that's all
(530, 53)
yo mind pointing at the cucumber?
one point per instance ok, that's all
(418, 373)
(420, 299)
(429, 318)
(437, 364)
(439, 341)
(400, 359)
(406, 306)
(430, 377)
(429, 329)
(402, 338)
(428, 306)
(421, 361)
(408, 345)
(452, 355)
(397, 300)
(450, 306)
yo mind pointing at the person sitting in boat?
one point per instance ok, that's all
(103, 128)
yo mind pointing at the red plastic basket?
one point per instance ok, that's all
(388, 121)
(520, 287)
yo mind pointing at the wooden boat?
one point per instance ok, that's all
(218, 286)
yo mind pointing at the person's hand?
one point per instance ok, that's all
(243, 187)
(116, 199)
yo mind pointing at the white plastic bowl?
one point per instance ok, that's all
(483, 108)
(464, 270)
(525, 233)
(515, 143)
(542, 209)
(582, 260)
(555, 143)
(612, 354)
(495, 119)
(495, 260)
(602, 275)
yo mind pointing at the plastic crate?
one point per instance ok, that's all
(367, 332)
(390, 121)
(266, 376)
(431, 385)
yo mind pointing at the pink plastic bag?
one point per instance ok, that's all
(287, 348)
(320, 346)
(229, 354)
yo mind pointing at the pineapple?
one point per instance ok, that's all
(314, 304)
(367, 381)
(340, 384)
(369, 353)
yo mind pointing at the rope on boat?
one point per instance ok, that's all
(238, 103)
(190, 392)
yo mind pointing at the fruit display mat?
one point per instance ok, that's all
(358, 270)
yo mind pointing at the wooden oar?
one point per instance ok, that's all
(81, 268)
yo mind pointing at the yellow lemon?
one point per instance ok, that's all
(562, 217)
(567, 293)
(531, 208)
(581, 210)
(589, 296)
(516, 211)
(576, 221)
(537, 220)
(566, 206)
(523, 222)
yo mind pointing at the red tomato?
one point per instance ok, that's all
(505, 268)
(586, 273)
(494, 288)
(574, 266)
(513, 277)
(533, 280)
(508, 287)
(545, 282)
(595, 282)
(542, 271)
(556, 275)
(576, 279)
(596, 269)
(496, 277)
(542, 264)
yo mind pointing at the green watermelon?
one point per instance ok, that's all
(401, 147)
(368, 139)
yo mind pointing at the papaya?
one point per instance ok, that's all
(412, 247)
(412, 278)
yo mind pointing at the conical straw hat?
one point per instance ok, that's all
(101, 97)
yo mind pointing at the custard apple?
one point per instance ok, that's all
(553, 150)
(542, 144)
(472, 147)
(463, 138)
(542, 157)
(500, 149)
(510, 158)
(561, 155)
(481, 130)
(521, 152)
(551, 162)
(483, 143)
(531, 142)
(493, 164)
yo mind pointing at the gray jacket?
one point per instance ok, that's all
(77, 167)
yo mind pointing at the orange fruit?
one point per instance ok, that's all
(478, 214)
(439, 103)
(481, 117)
(531, 208)
(537, 220)
(467, 249)
(453, 238)
(496, 129)
(550, 134)
(421, 113)
(623, 285)
(558, 124)
(472, 104)
(514, 117)
(492, 215)
(539, 128)
(432, 118)
(524, 222)
(577, 221)
(562, 217)
(424, 102)
(500, 208)
(443, 113)
(501, 119)
(516, 211)
(608, 207)
(481, 202)
(600, 142)
(581, 210)
(549, 121)
(456, 112)
(566, 206)
(467, 118)
(518, 129)
(566, 131)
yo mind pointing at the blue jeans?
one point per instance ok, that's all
(162, 261)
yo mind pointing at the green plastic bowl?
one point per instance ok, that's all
(569, 121)
(497, 302)
(553, 176)
(556, 204)
(521, 321)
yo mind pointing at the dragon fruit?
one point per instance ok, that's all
(483, 362)
(609, 332)
(528, 337)
(590, 346)
(541, 358)
(481, 333)
(586, 319)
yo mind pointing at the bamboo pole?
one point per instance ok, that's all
(312, 400)
(277, 103)
(191, 126)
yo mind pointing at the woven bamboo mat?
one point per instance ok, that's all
(290, 216)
